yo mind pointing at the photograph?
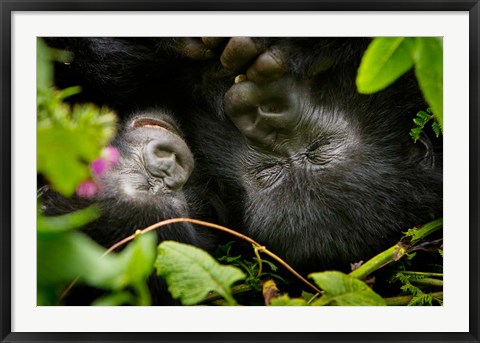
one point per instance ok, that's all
(326, 154)
(212, 171)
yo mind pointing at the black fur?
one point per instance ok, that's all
(338, 178)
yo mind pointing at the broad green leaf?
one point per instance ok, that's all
(62, 154)
(386, 59)
(69, 221)
(68, 256)
(285, 300)
(344, 290)
(62, 257)
(138, 258)
(191, 273)
(429, 72)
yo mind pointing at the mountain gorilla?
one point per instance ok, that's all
(320, 174)
(286, 150)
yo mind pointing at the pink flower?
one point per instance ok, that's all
(87, 189)
(108, 159)
(111, 155)
(98, 166)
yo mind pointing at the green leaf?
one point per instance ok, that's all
(307, 295)
(424, 115)
(436, 128)
(67, 256)
(429, 72)
(384, 61)
(62, 156)
(421, 300)
(344, 290)
(191, 273)
(44, 66)
(285, 300)
(138, 258)
(63, 257)
(69, 221)
(67, 143)
(419, 122)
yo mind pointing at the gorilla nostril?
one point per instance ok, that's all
(160, 153)
(165, 160)
(159, 159)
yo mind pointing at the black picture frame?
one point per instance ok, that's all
(7, 7)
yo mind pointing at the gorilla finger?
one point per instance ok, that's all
(195, 49)
(214, 42)
(238, 52)
(269, 66)
(241, 97)
(320, 67)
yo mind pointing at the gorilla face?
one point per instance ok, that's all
(145, 186)
(154, 164)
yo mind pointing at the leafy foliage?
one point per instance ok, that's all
(69, 221)
(191, 273)
(253, 268)
(344, 290)
(422, 118)
(428, 59)
(68, 138)
(66, 257)
(387, 58)
(339, 289)
(285, 300)
(419, 297)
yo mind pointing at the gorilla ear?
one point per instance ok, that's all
(423, 154)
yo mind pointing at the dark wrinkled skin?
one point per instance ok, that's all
(292, 155)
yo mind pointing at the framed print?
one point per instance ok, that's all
(195, 119)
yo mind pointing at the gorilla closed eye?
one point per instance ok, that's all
(318, 143)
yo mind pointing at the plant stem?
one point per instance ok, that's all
(425, 230)
(397, 251)
(405, 299)
(238, 289)
(427, 282)
(407, 272)
(392, 254)
(260, 248)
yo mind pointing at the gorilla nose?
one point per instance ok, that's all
(170, 159)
